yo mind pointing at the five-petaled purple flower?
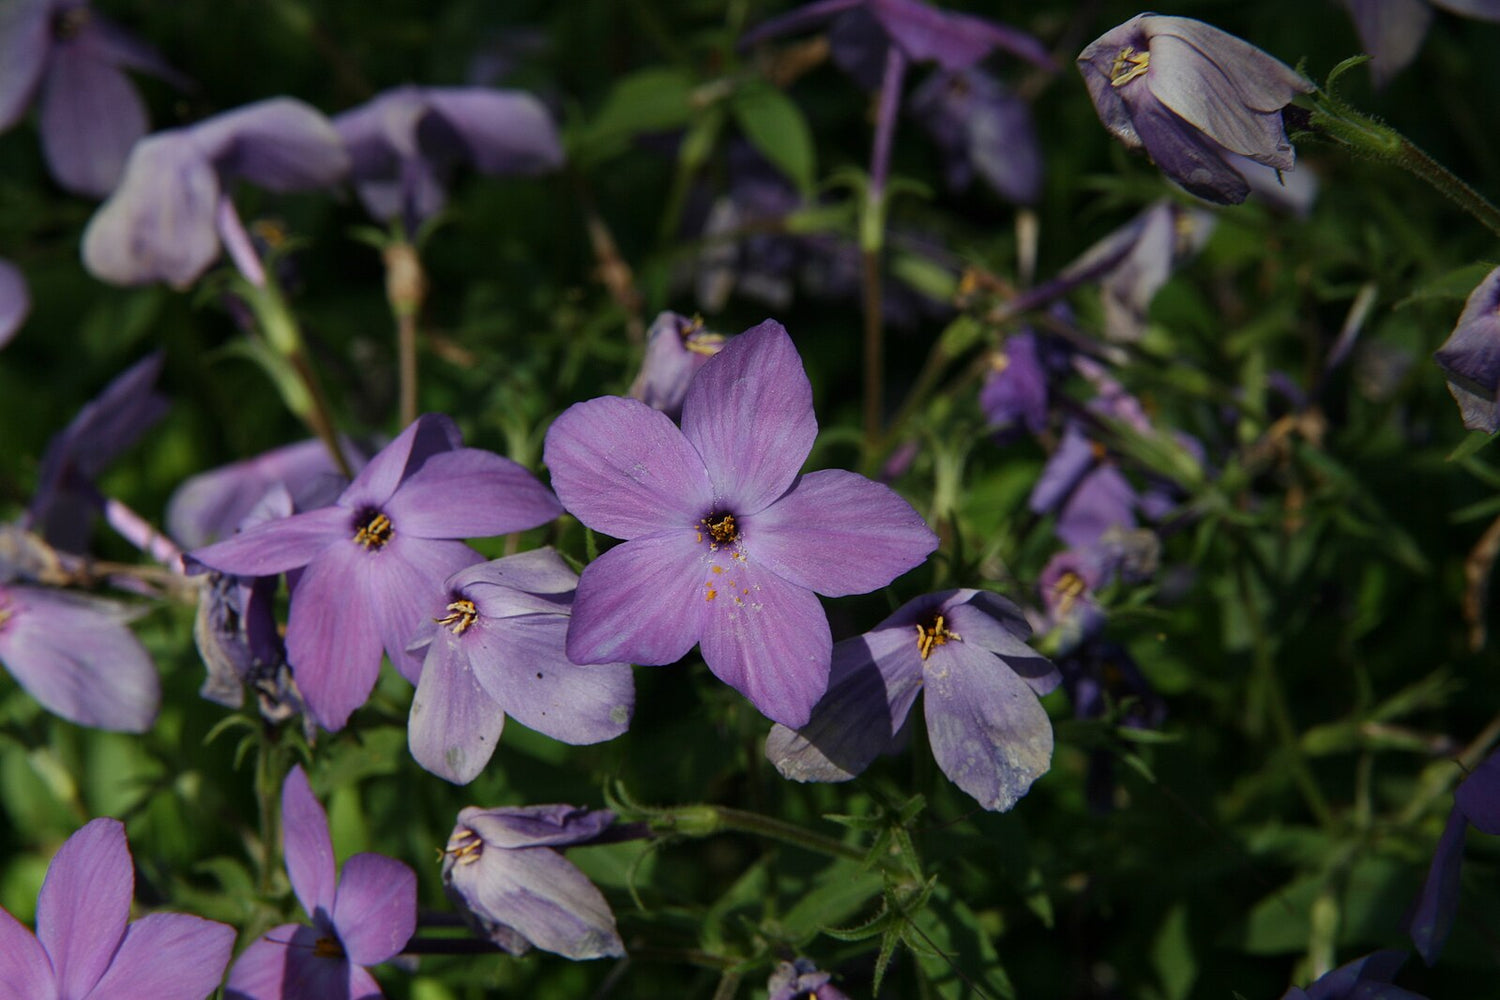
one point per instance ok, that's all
(1189, 94)
(360, 917)
(989, 732)
(378, 556)
(496, 649)
(504, 868)
(727, 544)
(85, 946)
(1476, 803)
(802, 980)
(1470, 357)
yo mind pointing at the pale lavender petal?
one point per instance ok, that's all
(996, 625)
(525, 670)
(749, 414)
(544, 897)
(277, 546)
(400, 583)
(283, 965)
(1260, 81)
(1431, 917)
(1194, 87)
(430, 434)
(1391, 31)
(470, 493)
(454, 725)
(954, 41)
(260, 970)
(1066, 467)
(25, 972)
(807, 16)
(91, 116)
(307, 845)
(989, 734)
(505, 131)
(25, 40)
(1103, 500)
(838, 533)
(375, 912)
(535, 826)
(625, 469)
(769, 640)
(540, 571)
(15, 301)
(333, 637)
(84, 904)
(280, 144)
(640, 602)
(167, 956)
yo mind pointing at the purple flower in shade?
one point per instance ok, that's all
(1014, 394)
(166, 220)
(360, 917)
(1365, 978)
(73, 58)
(1067, 586)
(1103, 680)
(87, 948)
(981, 128)
(15, 301)
(1189, 95)
(496, 649)
(676, 347)
(989, 732)
(1476, 803)
(1470, 357)
(504, 868)
(726, 543)
(1085, 489)
(1392, 31)
(746, 248)
(375, 558)
(405, 143)
(802, 980)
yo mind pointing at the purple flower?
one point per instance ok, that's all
(1476, 803)
(1365, 978)
(966, 649)
(497, 650)
(802, 980)
(1470, 357)
(15, 301)
(86, 946)
(166, 219)
(1189, 94)
(981, 128)
(1392, 31)
(73, 57)
(1158, 241)
(360, 917)
(503, 867)
(1102, 679)
(1085, 489)
(405, 143)
(1067, 587)
(378, 555)
(1014, 393)
(726, 543)
(676, 347)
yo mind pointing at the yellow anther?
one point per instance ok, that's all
(465, 846)
(327, 947)
(375, 532)
(461, 614)
(1128, 65)
(721, 528)
(936, 634)
(1068, 588)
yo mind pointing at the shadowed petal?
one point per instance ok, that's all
(307, 845)
(505, 131)
(261, 968)
(994, 624)
(838, 533)
(1478, 796)
(749, 414)
(640, 602)
(625, 469)
(1103, 500)
(276, 546)
(535, 826)
(167, 956)
(1197, 90)
(544, 897)
(310, 976)
(25, 40)
(400, 584)
(989, 733)
(1431, 917)
(804, 17)
(15, 301)
(25, 973)
(471, 493)
(91, 116)
(280, 144)
(376, 909)
(504, 587)
(428, 435)
(525, 670)
(1189, 158)
(769, 640)
(454, 725)
(333, 639)
(85, 903)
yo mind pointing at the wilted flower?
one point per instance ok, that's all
(15, 301)
(90, 113)
(166, 219)
(360, 917)
(376, 558)
(1476, 803)
(1470, 357)
(497, 650)
(981, 128)
(1365, 978)
(405, 143)
(725, 541)
(967, 650)
(676, 347)
(1189, 94)
(802, 980)
(86, 945)
(503, 867)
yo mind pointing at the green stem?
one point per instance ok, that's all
(268, 793)
(707, 821)
(874, 357)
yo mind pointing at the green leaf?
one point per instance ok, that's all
(1453, 286)
(651, 100)
(840, 891)
(776, 128)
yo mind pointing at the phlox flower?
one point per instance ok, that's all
(982, 129)
(1476, 803)
(1470, 357)
(727, 544)
(802, 980)
(1366, 978)
(15, 301)
(676, 347)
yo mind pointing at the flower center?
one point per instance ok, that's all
(1068, 588)
(375, 530)
(68, 23)
(328, 947)
(465, 846)
(1128, 65)
(7, 612)
(935, 633)
(721, 528)
(461, 614)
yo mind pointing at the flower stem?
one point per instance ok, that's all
(405, 290)
(871, 241)
(707, 821)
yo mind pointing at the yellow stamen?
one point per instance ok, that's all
(327, 947)
(375, 533)
(461, 614)
(936, 634)
(1128, 65)
(721, 528)
(1068, 588)
(465, 846)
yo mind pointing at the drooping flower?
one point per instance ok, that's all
(90, 113)
(379, 554)
(1470, 357)
(405, 143)
(87, 948)
(496, 649)
(966, 648)
(726, 543)
(360, 917)
(1365, 978)
(504, 868)
(1189, 94)
(802, 980)
(676, 347)
(15, 301)
(1476, 803)
(166, 220)
(982, 129)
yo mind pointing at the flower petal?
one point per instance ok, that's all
(260, 970)
(401, 583)
(91, 116)
(1431, 916)
(283, 965)
(541, 895)
(307, 845)
(989, 733)
(469, 493)
(15, 301)
(25, 972)
(454, 725)
(534, 826)
(996, 625)
(1189, 158)
(625, 469)
(375, 912)
(168, 956)
(838, 533)
(428, 435)
(769, 640)
(333, 639)
(505, 131)
(25, 41)
(276, 546)
(1478, 795)
(640, 602)
(280, 144)
(749, 414)
(84, 904)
